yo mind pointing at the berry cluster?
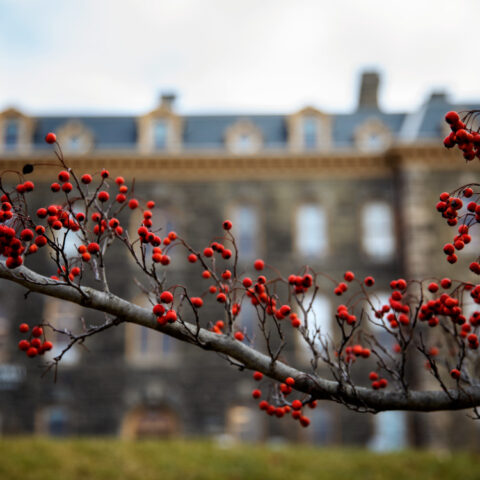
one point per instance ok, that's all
(34, 345)
(377, 382)
(467, 141)
(294, 408)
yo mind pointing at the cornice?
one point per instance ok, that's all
(214, 166)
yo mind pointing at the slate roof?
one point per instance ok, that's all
(208, 131)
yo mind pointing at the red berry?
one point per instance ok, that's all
(24, 345)
(446, 283)
(257, 376)
(373, 376)
(227, 225)
(93, 247)
(133, 203)
(296, 404)
(304, 421)
(32, 352)
(166, 297)
(452, 117)
(349, 276)
(197, 302)
(208, 252)
(221, 297)
(239, 336)
(455, 373)
(259, 264)
(290, 381)
(103, 196)
(37, 331)
(192, 258)
(369, 281)
(171, 316)
(86, 179)
(63, 176)
(67, 187)
(50, 138)
(256, 393)
(24, 328)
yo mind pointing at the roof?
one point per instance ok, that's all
(208, 131)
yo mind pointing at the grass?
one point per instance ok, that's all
(112, 459)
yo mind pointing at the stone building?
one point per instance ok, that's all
(337, 191)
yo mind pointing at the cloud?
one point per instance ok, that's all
(115, 56)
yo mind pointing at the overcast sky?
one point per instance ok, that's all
(102, 56)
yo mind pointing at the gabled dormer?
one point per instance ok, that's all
(372, 135)
(75, 138)
(243, 137)
(161, 129)
(309, 130)
(16, 131)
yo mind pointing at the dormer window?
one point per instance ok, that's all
(309, 130)
(16, 131)
(161, 129)
(243, 137)
(75, 137)
(243, 144)
(372, 136)
(11, 135)
(160, 134)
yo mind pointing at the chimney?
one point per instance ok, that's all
(167, 99)
(368, 95)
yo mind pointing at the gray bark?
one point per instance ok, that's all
(316, 387)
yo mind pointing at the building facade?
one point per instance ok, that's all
(334, 191)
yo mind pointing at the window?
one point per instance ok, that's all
(52, 420)
(246, 231)
(381, 335)
(378, 238)
(247, 320)
(309, 128)
(390, 432)
(74, 143)
(145, 346)
(243, 143)
(373, 142)
(245, 424)
(11, 134)
(63, 316)
(318, 323)
(322, 431)
(160, 133)
(311, 230)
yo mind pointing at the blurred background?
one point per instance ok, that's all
(315, 126)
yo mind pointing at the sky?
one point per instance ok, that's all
(115, 57)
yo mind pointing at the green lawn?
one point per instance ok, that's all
(112, 459)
